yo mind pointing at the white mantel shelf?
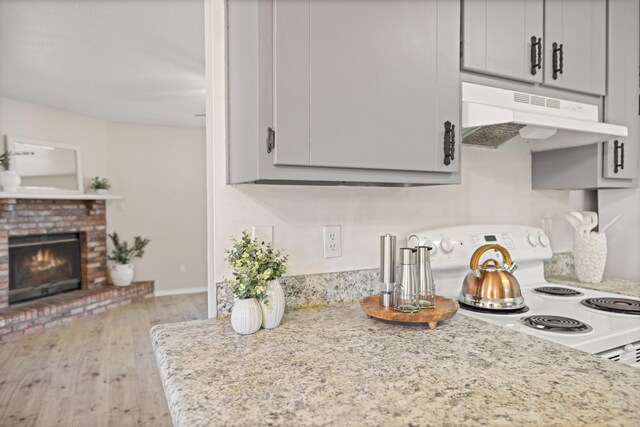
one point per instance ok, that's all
(59, 196)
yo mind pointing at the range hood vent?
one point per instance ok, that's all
(492, 116)
(491, 136)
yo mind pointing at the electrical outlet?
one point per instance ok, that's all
(263, 233)
(332, 241)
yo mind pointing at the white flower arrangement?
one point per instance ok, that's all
(254, 264)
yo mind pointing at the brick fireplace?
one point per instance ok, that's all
(23, 217)
(43, 217)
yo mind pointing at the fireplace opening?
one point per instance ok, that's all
(43, 265)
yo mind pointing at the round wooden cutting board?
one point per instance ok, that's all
(445, 309)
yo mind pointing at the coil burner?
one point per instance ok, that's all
(613, 305)
(559, 324)
(558, 291)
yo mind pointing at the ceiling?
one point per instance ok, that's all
(139, 61)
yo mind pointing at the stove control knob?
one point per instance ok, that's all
(532, 240)
(628, 347)
(434, 248)
(544, 240)
(446, 245)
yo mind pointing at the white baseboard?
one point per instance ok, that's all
(179, 291)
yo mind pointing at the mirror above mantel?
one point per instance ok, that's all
(45, 167)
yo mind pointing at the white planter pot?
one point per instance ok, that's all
(246, 316)
(273, 311)
(102, 191)
(10, 181)
(121, 274)
(590, 257)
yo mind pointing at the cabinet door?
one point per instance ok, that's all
(621, 102)
(497, 38)
(356, 83)
(578, 29)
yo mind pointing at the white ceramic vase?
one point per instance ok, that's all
(102, 191)
(246, 316)
(121, 274)
(273, 311)
(10, 181)
(590, 257)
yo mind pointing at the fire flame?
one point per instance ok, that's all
(43, 260)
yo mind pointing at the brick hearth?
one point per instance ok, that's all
(44, 313)
(24, 217)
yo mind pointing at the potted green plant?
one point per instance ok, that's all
(258, 295)
(121, 270)
(100, 185)
(9, 179)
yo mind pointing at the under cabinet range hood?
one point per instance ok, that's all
(493, 116)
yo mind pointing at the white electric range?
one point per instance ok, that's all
(562, 318)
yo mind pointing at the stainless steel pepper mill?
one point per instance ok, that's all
(387, 269)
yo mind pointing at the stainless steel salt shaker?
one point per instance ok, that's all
(426, 285)
(387, 269)
(406, 291)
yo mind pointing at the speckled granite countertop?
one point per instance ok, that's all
(335, 366)
(617, 286)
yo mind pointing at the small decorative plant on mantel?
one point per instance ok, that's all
(9, 180)
(100, 185)
(259, 298)
(122, 271)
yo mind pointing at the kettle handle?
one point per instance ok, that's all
(494, 261)
(475, 258)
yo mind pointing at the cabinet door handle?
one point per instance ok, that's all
(449, 142)
(618, 156)
(558, 59)
(536, 54)
(271, 139)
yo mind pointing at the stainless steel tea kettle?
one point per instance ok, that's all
(492, 286)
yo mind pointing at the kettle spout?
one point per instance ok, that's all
(476, 272)
(512, 267)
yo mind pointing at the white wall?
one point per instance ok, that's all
(160, 171)
(496, 188)
(33, 121)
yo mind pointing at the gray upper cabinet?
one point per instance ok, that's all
(503, 38)
(355, 91)
(356, 84)
(614, 163)
(575, 38)
(620, 156)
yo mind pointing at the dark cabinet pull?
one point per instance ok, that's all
(558, 59)
(271, 139)
(449, 142)
(618, 156)
(536, 54)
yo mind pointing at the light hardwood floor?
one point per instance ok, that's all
(97, 371)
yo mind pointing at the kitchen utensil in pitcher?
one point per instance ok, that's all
(606, 227)
(426, 285)
(575, 222)
(387, 269)
(406, 297)
(590, 221)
